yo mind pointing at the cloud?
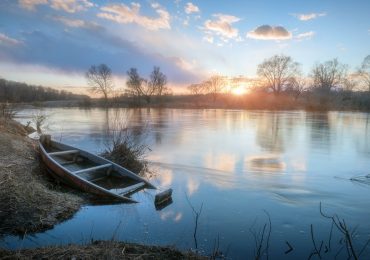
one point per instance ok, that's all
(75, 51)
(191, 8)
(31, 4)
(6, 40)
(305, 35)
(70, 6)
(76, 23)
(267, 32)
(222, 26)
(208, 38)
(124, 14)
(310, 16)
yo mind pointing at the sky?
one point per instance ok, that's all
(54, 42)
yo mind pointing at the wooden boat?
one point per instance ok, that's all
(88, 172)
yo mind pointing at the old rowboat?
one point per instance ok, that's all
(88, 172)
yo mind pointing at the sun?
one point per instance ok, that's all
(240, 90)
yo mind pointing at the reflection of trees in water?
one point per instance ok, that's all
(321, 131)
(270, 135)
(268, 163)
(158, 123)
(363, 138)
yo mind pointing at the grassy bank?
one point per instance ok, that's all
(29, 201)
(100, 250)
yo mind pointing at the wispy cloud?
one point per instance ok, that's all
(267, 32)
(191, 8)
(208, 38)
(31, 4)
(6, 40)
(70, 6)
(222, 26)
(124, 14)
(309, 16)
(305, 35)
(76, 23)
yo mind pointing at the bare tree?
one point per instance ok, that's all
(349, 84)
(100, 80)
(297, 86)
(196, 89)
(134, 84)
(214, 86)
(364, 72)
(140, 87)
(277, 72)
(157, 82)
(329, 75)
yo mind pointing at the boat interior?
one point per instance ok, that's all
(94, 169)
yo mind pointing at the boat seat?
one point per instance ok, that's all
(93, 168)
(64, 152)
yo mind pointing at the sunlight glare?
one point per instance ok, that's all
(240, 90)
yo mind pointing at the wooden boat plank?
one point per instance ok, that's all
(63, 152)
(129, 189)
(94, 168)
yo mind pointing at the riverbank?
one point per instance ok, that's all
(100, 250)
(308, 101)
(29, 200)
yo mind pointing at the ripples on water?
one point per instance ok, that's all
(238, 164)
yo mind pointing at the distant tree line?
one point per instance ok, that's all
(11, 91)
(281, 76)
(280, 84)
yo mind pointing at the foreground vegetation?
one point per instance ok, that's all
(100, 250)
(29, 201)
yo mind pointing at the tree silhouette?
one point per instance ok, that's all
(99, 78)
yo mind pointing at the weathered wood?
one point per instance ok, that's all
(163, 197)
(93, 168)
(45, 140)
(130, 189)
(64, 152)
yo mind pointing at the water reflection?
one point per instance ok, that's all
(237, 163)
(270, 135)
(320, 132)
(266, 164)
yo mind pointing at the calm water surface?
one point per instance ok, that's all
(238, 165)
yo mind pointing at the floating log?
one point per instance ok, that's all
(163, 197)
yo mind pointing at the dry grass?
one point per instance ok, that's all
(28, 201)
(100, 250)
(124, 146)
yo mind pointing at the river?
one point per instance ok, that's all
(236, 169)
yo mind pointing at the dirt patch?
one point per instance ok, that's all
(28, 200)
(100, 250)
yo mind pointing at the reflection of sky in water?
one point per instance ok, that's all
(237, 163)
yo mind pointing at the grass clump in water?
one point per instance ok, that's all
(124, 145)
